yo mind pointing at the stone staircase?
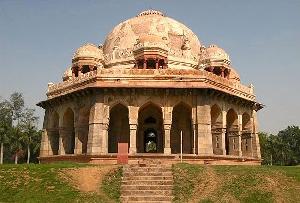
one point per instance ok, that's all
(147, 182)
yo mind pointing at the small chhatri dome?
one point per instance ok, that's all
(67, 74)
(213, 52)
(88, 51)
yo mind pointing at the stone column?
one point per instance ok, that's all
(45, 141)
(61, 148)
(194, 128)
(44, 150)
(240, 134)
(255, 138)
(167, 116)
(78, 143)
(105, 138)
(204, 126)
(94, 145)
(133, 122)
(145, 64)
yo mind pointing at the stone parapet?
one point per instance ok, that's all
(150, 78)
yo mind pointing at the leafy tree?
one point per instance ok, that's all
(28, 125)
(281, 149)
(5, 125)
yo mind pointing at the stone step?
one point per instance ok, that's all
(146, 192)
(146, 169)
(147, 182)
(146, 187)
(125, 174)
(148, 178)
(146, 198)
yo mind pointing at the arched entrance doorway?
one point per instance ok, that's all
(53, 133)
(68, 132)
(216, 129)
(150, 131)
(118, 131)
(181, 121)
(231, 136)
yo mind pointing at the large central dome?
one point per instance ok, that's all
(150, 28)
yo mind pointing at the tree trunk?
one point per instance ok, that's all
(16, 158)
(1, 153)
(28, 154)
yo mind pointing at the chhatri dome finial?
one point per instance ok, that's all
(150, 12)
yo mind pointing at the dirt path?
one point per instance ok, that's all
(86, 179)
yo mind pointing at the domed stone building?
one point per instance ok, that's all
(149, 83)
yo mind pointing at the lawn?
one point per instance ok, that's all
(196, 183)
(42, 183)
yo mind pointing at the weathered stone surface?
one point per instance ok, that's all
(149, 83)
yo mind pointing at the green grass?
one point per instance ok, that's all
(185, 180)
(236, 183)
(111, 184)
(41, 183)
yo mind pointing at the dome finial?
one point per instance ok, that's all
(151, 12)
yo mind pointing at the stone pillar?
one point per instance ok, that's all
(44, 150)
(45, 141)
(78, 143)
(240, 134)
(167, 116)
(133, 122)
(105, 138)
(194, 128)
(204, 126)
(145, 64)
(255, 138)
(94, 145)
(156, 64)
(61, 148)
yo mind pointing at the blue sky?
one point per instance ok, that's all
(38, 38)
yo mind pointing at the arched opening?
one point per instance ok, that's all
(75, 71)
(83, 130)
(85, 69)
(217, 71)
(53, 133)
(216, 129)
(140, 64)
(68, 132)
(161, 63)
(181, 121)
(150, 130)
(246, 135)
(231, 136)
(118, 131)
(151, 63)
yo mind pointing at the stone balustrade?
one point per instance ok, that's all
(162, 75)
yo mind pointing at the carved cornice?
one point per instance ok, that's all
(151, 78)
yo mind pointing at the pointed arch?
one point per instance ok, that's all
(246, 135)
(82, 130)
(150, 130)
(53, 133)
(231, 141)
(181, 121)
(216, 128)
(118, 130)
(68, 134)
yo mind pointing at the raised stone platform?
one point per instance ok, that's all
(166, 159)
